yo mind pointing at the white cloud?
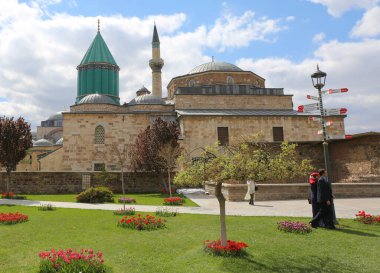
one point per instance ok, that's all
(369, 25)
(337, 7)
(319, 37)
(290, 18)
(39, 51)
(351, 65)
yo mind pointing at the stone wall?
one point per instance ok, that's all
(71, 182)
(236, 192)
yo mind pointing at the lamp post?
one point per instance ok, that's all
(318, 79)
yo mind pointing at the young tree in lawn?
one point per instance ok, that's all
(122, 154)
(15, 140)
(242, 160)
(155, 145)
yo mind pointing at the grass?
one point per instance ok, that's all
(153, 199)
(178, 248)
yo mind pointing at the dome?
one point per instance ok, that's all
(146, 99)
(42, 142)
(59, 141)
(142, 91)
(56, 116)
(96, 98)
(214, 66)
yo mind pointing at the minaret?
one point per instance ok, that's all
(156, 64)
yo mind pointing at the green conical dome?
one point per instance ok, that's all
(98, 72)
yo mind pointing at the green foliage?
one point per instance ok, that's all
(95, 195)
(104, 177)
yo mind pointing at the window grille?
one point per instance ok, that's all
(86, 181)
(278, 134)
(191, 83)
(99, 134)
(223, 136)
(98, 167)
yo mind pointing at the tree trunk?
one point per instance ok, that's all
(9, 179)
(222, 213)
(122, 186)
(170, 187)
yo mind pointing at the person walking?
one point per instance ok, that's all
(251, 192)
(325, 201)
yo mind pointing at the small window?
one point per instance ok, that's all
(223, 136)
(230, 80)
(98, 167)
(278, 134)
(99, 134)
(191, 83)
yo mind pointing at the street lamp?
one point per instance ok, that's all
(319, 78)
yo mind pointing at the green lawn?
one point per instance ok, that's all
(154, 199)
(178, 248)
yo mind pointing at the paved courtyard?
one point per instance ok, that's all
(345, 208)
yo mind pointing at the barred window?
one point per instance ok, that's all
(278, 134)
(98, 167)
(223, 136)
(230, 80)
(191, 83)
(99, 134)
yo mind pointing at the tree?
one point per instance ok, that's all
(122, 156)
(156, 148)
(15, 140)
(244, 159)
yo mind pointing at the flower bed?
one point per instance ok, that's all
(127, 211)
(174, 201)
(234, 249)
(12, 195)
(367, 218)
(127, 200)
(166, 212)
(12, 218)
(141, 223)
(295, 227)
(71, 261)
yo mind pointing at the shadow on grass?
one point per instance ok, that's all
(309, 264)
(356, 232)
(7, 205)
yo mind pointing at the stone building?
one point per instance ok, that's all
(215, 101)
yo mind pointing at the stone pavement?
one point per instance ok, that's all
(345, 208)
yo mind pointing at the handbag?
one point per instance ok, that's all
(256, 188)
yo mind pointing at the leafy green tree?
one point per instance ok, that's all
(15, 140)
(244, 159)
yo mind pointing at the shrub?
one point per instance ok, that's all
(141, 223)
(12, 218)
(233, 249)
(71, 261)
(174, 201)
(367, 218)
(46, 207)
(127, 200)
(127, 211)
(95, 195)
(166, 212)
(295, 227)
(12, 195)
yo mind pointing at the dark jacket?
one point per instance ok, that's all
(324, 192)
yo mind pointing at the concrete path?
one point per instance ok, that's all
(345, 208)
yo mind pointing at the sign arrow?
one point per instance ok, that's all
(308, 107)
(335, 111)
(310, 97)
(334, 91)
(340, 137)
(314, 119)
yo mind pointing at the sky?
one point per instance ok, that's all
(42, 42)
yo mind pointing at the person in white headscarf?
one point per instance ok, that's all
(251, 192)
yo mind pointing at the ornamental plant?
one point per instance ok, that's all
(46, 207)
(12, 218)
(11, 195)
(367, 218)
(70, 261)
(127, 200)
(232, 249)
(148, 222)
(174, 201)
(294, 227)
(166, 212)
(126, 211)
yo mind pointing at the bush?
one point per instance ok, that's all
(12, 195)
(46, 207)
(95, 195)
(294, 227)
(70, 261)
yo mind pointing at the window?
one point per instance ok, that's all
(98, 167)
(223, 136)
(230, 80)
(99, 134)
(191, 83)
(278, 134)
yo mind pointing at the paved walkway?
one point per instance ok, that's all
(345, 208)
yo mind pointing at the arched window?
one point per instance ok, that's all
(230, 80)
(99, 134)
(191, 83)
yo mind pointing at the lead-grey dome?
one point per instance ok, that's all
(56, 116)
(146, 99)
(214, 66)
(42, 142)
(97, 98)
(59, 141)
